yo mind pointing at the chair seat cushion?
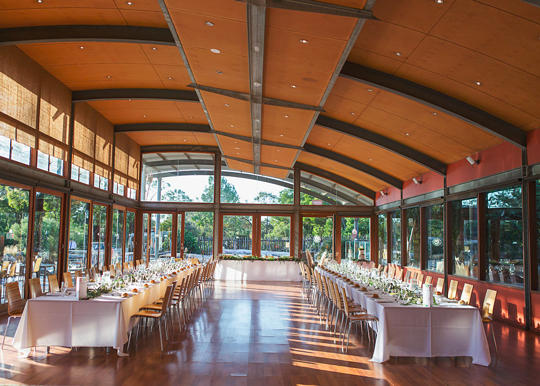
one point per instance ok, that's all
(148, 314)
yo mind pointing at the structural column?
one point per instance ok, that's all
(374, 238)
(337, 237)
(217, 203)
(296, 215)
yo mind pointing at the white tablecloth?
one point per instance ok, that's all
(258, 270)
(64, 321)
(445, 330)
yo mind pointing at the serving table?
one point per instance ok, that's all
(244, 270)
(105, 321)
(447, 329)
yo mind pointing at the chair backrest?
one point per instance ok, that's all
(12, 269)
(489, 303)
(118, 267)
(344, 302)
(15, 301)
(68, 280)
(78, 273)
(452, 289)
(420, 279)
(440, 285)
(5, 265)
(53, 283)
(167, 298)
(309, 258)
(126, 266)
(466, 293)
(337, 293)
(37, 264)
(35, 288)
(112, 271)
(399, 273)
(407, 276)
(429, 280)
(412, 279)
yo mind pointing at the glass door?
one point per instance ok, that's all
(99, 230)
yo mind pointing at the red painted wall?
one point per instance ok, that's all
(533, 147)
(392, 194)
(496, 160)
(430, 181)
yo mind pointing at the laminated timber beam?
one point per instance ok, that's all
(134, 93)
(436, 100)
(315, 7)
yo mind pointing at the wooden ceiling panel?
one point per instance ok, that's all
(147, 19)
(343, 109)
(420, 15)
(138, 111)
(64, 54)
(492, 32)
(342, 170)
(138, 5)
(355, 91)
(326, 26)
(285, 125)
(365, 152)
(173, 77)
(359, 4)
(518, 8)
(389, 40)
(149, 138)
(60, 16)
(192, 112)
(274, 172)
(412, 134)
(494, 105)
(234, 118)
(277, 155)
(444, 125)
(162, 55)
(235, 10)
(374, 60)
(515, 87)
(235, 148)
(241, 166)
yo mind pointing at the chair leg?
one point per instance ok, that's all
(5, 331)
(494, 340)
(160, 334)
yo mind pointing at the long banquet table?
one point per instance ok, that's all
(444, 330)
(105, 321)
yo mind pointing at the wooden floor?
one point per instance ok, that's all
(264, 334)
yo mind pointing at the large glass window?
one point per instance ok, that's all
(504, 236)
(275, 236)
(130, 235)
(317, 236)
(435, 238)
(178, 177)
(464, 237)
(237, 235)
(315, 190)
(383, 239)
(146, 247)
(46, 235)
(396, 237)
(13, 236)
(179, 244)
(239, 187)
(99, 230)
(117, 236)
(161, 236)
(198, 235)
(355, 241)
(79, 217)
(413, 237)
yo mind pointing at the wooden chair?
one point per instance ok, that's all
(429, 280)
(112, 271)
(154, 315)
(15, 304)
(68, 280)
(357, 318)
(53, 283)
(407, 276)
(452, 289)
(440, 286)
(37, 266)
(125, 266)
(35, 288)
(487, 313)
(118, 267)
(420, 279)
(466, 294)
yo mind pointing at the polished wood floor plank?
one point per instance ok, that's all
(264, 334)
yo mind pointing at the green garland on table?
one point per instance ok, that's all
(257, 258)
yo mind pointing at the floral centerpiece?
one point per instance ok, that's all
(258, 258)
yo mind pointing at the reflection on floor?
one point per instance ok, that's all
(264, 334)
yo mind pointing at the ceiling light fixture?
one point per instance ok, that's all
(370, 90)
(108, 77)
(144, 116)
(293, 85)
(257, 84)
(231, 125)
(417, 181)
(227, 105)
(398, 53)
(434, 113)
(130, 3)
(219, 72)
(439, 1)
(81, 47)
(39, 1)
(407, 134)
(286, 115)
(154, 48)
(209, 23)
(256, 48)
(281, 135)
(215, 50)
(304, 41)
(472, 161)
(353, 113)
(478, 83)
(170, 78)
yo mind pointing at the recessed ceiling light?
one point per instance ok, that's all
(209, 23)
(215, 50)
(286, 115)
(435, 113)
(144, 116)
(227, 105)
(154, 48)
(170, 78)
(293, 85)
(304, 41)
(353, 113)
(108, 77)
(278, 150)
(81, 47)
(370, 159)
(369, 90)
(185, 140)
(398, 53)
(439, 1)
(276, 160)
(407, 134)
(231, 125)
(39, 1)
(129, 3)
(329, 144)
(256, 48)
(478, 83)
(281, 135)
(219, 72)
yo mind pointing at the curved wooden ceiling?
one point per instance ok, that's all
(482, 53)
